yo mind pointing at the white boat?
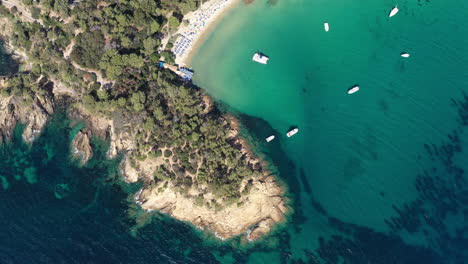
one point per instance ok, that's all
(292, 132)
(405, 55)
(394, 11)
(270, 138)
(353, 89)
(260, 58)
(326, 26)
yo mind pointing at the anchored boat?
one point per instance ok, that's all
(292, 132)
(405, 55)
(353, 89)
(260, 58)
(394, 11)
(270, 138)
(326, 26)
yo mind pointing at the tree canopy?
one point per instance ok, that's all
(119, 40)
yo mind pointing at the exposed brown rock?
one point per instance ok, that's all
(33, 115)
(261, 209)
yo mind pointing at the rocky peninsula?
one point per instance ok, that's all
(101, 58)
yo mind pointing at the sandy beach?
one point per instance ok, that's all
(199, 23)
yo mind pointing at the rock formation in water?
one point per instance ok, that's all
(81, 146)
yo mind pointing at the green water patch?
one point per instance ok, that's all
(30, 175)
(5, 183)
(47, 161)
(17, 162)
(61, 190)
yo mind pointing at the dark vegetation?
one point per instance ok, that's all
(89, 49)
(119, 39)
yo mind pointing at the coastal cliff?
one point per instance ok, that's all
(32, 112)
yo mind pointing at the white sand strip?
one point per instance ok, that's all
(199, 23)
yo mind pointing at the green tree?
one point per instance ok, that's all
(27, 2)
(154, 27)
(35, 12)
(174, 22)
(61, 6)
(149, 44)
(88, 49)
(102, 94)
(138, 100)
(169, 57)
(134, 60)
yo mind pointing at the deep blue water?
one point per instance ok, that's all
(54, 211)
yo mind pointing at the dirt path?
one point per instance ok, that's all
(68, 49)
(21, 8)
(98, 74)
(99, 77)
(66, 55)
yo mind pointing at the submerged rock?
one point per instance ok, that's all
(61, 190)
(81, 147)
(4, 182)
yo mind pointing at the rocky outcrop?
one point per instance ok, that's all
(129, 172)
(256, 212)
(81, 146)
(34, 115)
(121, 138)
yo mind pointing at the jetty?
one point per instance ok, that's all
(183, 72)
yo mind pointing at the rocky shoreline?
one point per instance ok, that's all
(34, 115)
(255, 209)
(254, 215)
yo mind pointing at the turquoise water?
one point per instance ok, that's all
(373, 177)
(360, 155)
(54, 210)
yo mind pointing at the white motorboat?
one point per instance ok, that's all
(394, 11)
(292, 132)
(405, 55)
(326, 26)
(353, 89)
(270, 138)
(260, 58)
